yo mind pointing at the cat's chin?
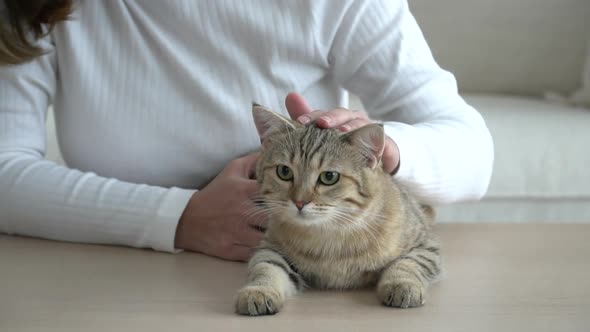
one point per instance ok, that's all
(306, 219)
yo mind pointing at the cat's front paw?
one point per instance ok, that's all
(402, 294)
(258, 300)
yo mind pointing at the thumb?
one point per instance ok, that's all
(297, 105)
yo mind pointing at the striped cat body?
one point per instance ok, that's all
(336, 219)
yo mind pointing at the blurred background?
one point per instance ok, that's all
(525, 65)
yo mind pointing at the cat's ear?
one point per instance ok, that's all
(268, 122)
(370, 140)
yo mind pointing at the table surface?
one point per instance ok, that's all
(498, 278)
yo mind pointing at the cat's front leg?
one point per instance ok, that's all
(404, 282)
(270, 281)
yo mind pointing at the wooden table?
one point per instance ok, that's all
(498, 278)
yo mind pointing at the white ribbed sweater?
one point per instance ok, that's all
(152, 99)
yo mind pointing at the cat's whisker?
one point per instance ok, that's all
(369, 226)
(362, 227)
(367, 215)
(256, 215)
(349, 223)
(267, 208)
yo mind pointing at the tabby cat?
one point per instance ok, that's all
(336, 219)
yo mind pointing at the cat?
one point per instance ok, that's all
(337, 220)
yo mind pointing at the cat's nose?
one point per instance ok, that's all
(300, 204)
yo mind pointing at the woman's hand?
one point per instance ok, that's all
(215, 222)
(343, 119)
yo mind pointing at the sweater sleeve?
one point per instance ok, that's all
(42, 199)
(379, 53)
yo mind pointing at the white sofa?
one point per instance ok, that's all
(506, 54)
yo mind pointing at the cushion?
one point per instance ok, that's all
(524, 47)
(541, 148)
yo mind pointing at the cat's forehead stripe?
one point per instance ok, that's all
(312, 140)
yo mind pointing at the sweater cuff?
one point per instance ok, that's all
(163, 230)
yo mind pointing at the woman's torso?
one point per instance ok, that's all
(159, 92)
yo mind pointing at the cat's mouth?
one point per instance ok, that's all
(302, 214)
(307, 215)
(306, 218)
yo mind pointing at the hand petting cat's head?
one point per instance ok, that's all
(314, 176)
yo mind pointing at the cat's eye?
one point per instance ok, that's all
(284, 173)
(329, 178)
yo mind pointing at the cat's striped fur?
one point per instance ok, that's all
(364, 230)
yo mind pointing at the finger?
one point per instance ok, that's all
(251, 168)
(297, 105)
(390, 156)
(240, 253)
(249, 237)
(354, 124)
(338, 117)
(310, 117)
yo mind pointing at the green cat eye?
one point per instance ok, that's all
(329, 178)
(284, 173)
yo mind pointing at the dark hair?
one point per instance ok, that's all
(24, 22)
